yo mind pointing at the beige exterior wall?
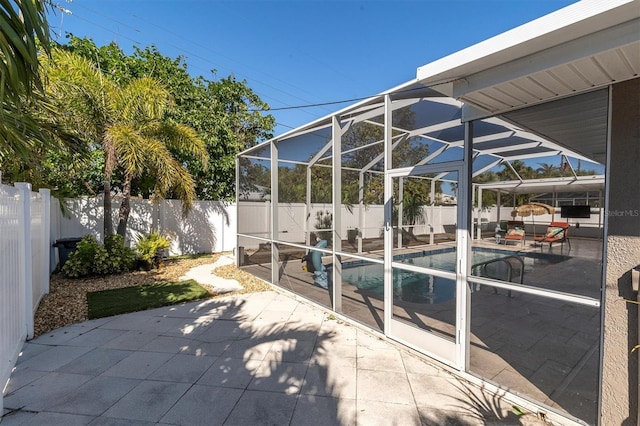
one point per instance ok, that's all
(620, 331)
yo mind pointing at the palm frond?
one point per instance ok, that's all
(80, 90)
(22, 25)
(31, 128)
(180, 137)
(143, 100)
(184, 188)
(170, 174)
(130, 147)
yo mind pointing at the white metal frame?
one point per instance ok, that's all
(438, 347)
(454, 353)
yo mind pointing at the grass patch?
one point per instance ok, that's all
(131, 299)
(188, 256)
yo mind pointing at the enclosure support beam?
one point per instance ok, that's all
(275, 256)
(307, 208)
(479, 224)
(498, 203)
(464, 235)
(432, 203)
(400, 210)
(473, 213)
(360, 230)
(239, 256)
(600, 204)
(388, 210)
(337, 213)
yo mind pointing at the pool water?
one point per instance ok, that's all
(408, 286)
(446, 259)
(425, 288)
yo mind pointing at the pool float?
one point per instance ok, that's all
(319, 271)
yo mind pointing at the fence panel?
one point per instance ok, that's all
(82, 216)
(13, 329)
(37, 248)
(209, 227)
(55, 215)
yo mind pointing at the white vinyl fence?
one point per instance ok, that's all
(294, 220)
(209, 227)
(25, 247)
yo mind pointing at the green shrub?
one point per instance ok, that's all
(121, 258)
(94, 258)
(150, 248)
(81, 260)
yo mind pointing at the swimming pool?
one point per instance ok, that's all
(425, 288)
(408, 286)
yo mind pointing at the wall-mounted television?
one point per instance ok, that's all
(575, 212)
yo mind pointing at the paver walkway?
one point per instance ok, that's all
(253, 359)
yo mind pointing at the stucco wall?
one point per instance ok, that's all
(620, 331)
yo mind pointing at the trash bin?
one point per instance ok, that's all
(65, 247)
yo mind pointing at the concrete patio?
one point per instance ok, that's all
(261, 358)
(539, 347)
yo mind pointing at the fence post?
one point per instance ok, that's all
(223, 229)
(25, 254)
(155, 216)
(161, 211)
(46, 237)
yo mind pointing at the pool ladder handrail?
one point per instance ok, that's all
(504, 259)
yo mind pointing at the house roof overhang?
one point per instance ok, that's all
(584, 46)
(581, 48)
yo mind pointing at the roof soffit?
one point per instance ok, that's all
(567, 24)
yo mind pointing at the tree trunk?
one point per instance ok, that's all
(108, 221)
(109, 164)
(125, 207)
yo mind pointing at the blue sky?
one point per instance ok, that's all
(295, 53)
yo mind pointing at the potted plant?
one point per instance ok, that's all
(352, 234)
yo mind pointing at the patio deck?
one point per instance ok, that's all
(538, 347)
(252, 359)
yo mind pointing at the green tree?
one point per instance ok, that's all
(226, 113)
(127, 122)
(524, 172)
(489, 198)
(28, 124)
(547, 170)
(254, 177)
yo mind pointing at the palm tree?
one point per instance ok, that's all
(128, 123)
(414, 199)
(547, 170)
(22, 25)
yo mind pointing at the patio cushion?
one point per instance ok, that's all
(516, 231)
(555, 232)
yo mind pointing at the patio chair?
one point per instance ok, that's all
(557, 232)
(515, 231)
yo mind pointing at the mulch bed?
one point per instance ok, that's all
(66, 302)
